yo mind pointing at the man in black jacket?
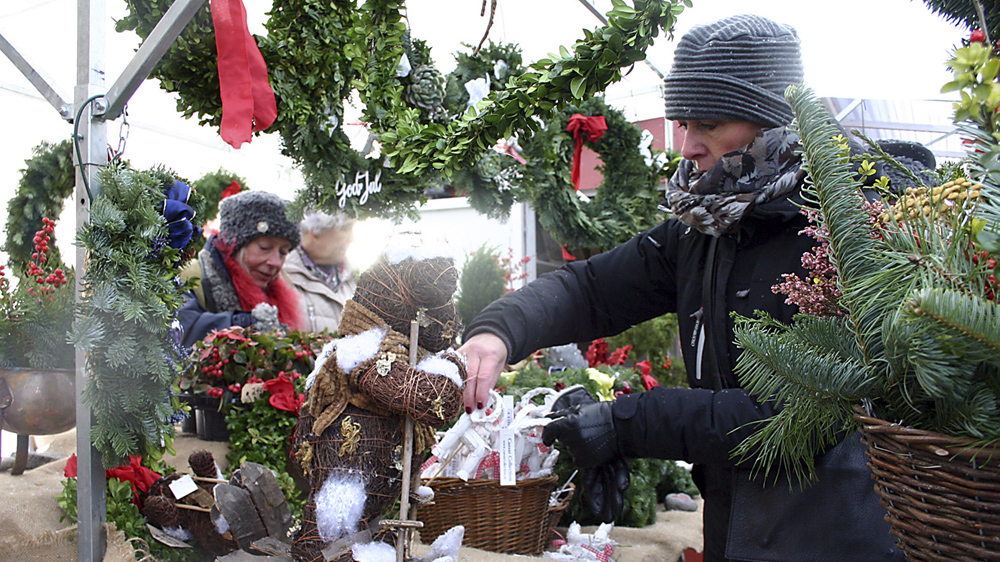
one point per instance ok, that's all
(736, 229)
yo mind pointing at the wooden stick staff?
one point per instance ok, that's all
(403, 523)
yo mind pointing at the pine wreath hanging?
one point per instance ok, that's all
(625, 202)
(46, 182)
(131, 294)
(314, 67)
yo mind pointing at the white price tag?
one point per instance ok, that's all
(183, 486)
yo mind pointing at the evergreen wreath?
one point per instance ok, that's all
(314, 67)
(131, 294)
(46, 182)
(626, 200)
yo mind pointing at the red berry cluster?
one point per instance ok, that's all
(49, 281)
(227, 360)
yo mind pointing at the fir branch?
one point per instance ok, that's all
(129, 306)
(813, 378)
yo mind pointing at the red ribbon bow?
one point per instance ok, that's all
(648, 380)
(593, 128)
(247, 98)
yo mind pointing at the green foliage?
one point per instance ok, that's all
(126, 517)
(963, 12)
(35, 315)
(652, 341)
(481, 282)
(46, 182)
(313, 68)
(574, 74)
(211, 186)
(131, 295)
(227, 359)
(920, 341)
(651, 479)
(498, 63)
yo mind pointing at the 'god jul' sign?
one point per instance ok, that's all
(362, 187)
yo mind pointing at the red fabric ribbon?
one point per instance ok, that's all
(591, 128)
(139, 476)
(233, 189)
(247, 98)
(648, 380)
(283, 396)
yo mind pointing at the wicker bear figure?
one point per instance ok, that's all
(349, 438)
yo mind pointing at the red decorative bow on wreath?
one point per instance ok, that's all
(247, 98)
(593, 128)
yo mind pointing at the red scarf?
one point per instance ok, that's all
(278, 293)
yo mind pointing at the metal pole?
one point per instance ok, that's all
(45, 85)
(152, 50)
(90, 136)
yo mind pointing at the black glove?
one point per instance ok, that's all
(576, 395)
(587, 431)
(604, 489)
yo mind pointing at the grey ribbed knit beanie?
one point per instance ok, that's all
(252, 214)
(736, 68)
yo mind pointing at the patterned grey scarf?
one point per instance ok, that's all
(713, 202)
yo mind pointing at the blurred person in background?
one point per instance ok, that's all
(319, 271)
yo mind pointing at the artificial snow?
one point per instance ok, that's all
(445, 547)
(340, 504)
(583, 547)
(355, 350)
(324, 354)
(415, 245)
(438, 365)
(424, 494)
(179, 533)
(373, 552)
(219, 520)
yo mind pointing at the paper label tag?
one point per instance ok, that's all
(183, 486)
(508, 458)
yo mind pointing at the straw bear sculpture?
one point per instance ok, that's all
(349, 438)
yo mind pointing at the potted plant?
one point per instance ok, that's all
(226, 361)
(36, 359)
(906, 342)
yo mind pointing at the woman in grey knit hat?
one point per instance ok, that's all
(734, 229)
(239, 270)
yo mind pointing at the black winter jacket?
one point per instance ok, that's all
(674, 268)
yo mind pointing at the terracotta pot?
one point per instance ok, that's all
(38, 401)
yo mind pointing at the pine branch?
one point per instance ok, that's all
(814, 372)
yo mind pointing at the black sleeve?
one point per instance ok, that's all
(599, 297)
(690, 424)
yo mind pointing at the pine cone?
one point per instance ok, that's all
(203, 464)
(426, 89)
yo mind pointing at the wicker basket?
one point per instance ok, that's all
(942, 493)
(508, 519)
